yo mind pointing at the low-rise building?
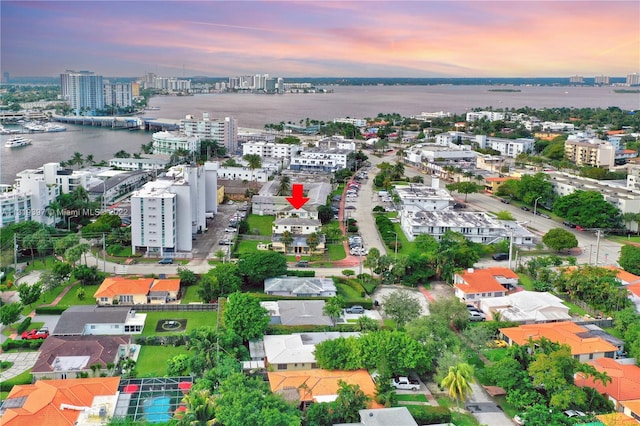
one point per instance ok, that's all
(624, 384)
(297, 312)
(270, 149)
(72, 401)
(144, 164)
(416, 197)
(63, 357)
(584, 347)
(82, 320)
(632, 408)
(322, 160)
(476, 284)
(137, 290)
(527, 307)
(295, 351)
(167, 143)
(592, 152)
(300, 287)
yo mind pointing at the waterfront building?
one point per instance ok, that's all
(84, 90)
(589, 152)
(324, 160)
(224, 131)
(601, 80)
(633, 79)
(15, 205)
(489, 115)
(358, 122)
(243, 173)
(337, 142)
(430, 153)
(118, 94)
(144, 164)
(166, 143)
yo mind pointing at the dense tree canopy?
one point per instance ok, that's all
(244, 315)
(588, 209)
(630, 259)
(401, 306)
(559, 239)
(255, 267)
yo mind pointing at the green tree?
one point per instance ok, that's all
(465, 188)
(254, 162)
(178, 365)
(325, 214)
(630, 259)
(531, 187)
(286, 239)
(455, 252)
(559, 239)
(244, 315)
(401, 306)
(200, 405)
(187, 276)
(588, 209)
(208, 289)
(228, 277)
(458, 382)
(350, 400)
(87, 275)
(313, 240)
(284, 186)
(450, 310)
(343, 353)
(371, 261)
(29, 293)
(255, 267)
(333, 308)
(10, 313)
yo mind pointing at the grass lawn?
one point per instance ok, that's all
(71, 298)
(8, 331)
(194, 320)
(459, 419)
(407, 246)
(189, 295)
(526, 281)
(152, 361)
(347, 292)
(624, 240)
(336, 252)
(495, 354)
(574, 309)
(246, 246)
(21, 379)
(412, 397)
(45, 298)
(261, 223)
(508, 409)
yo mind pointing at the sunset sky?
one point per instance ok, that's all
(319, 38)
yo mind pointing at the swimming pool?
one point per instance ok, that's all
(156, 410)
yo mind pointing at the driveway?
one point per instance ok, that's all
(483, 408)
(22, 361)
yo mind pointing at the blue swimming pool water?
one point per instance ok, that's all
(156, 410)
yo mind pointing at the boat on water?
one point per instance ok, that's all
(33, 126)
(5, 131)
(53, 127)
(152, 108)
(17, 142)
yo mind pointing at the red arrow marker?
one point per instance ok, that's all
(297, 198)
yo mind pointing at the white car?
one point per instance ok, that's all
(229, 229)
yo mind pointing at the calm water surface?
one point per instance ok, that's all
(254, 111)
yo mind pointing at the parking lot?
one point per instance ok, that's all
(207, 244)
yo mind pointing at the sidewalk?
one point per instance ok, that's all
(22, 361)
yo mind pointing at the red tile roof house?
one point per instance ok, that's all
(63, 357)
(475, 284)
(624, 385)
(61, 402)
(137, 290)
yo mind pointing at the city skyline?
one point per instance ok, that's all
(305, 39)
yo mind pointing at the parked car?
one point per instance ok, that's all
(36, 333)
(476, 316)
(351, 207)
(355, 309)
(569, 224)
(302, 263)
(500, 256)
(519, 419)
(473, 308)
(229, 229)
(405, 383)
(574, 413)
(546, 216)
(505, 201)
(525, 208)
(165, 261)
(225, 242)
(459, 206)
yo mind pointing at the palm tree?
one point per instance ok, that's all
(200, 408)
(284, 187)
(90, 159)
(254, 161)
(458, 381)
(286, 238)
(312, 241)
(333, 308)
(77, 159)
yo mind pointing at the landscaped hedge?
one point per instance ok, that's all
(428, 415)
(308, 273)
(387, 231)
(271, 297)
(173, 340)
(21, 344)
(22, 379)
(288, 329)
(51, 310)
(24, 325)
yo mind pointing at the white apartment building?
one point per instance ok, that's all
(270, 149)
(118, 94)
(329, 160)
(15, 205)
(225, 131)
(243, 173)
(475, 226)
(633, 177)
(358, 122)
(424, 198)
(589, 152)
(427, 152)
(166, 143)
(144, 164)
(489, 115)
(426, 116)
(616, 193)
(337, 142)
(166, 213)
(507, 147)
(633, 79)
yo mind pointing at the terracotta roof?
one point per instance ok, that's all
(483, 280)
(634, 288)
(320, 383)
(167, 284)
(625, 379)
(624, 276)
(44, 398)
(500, 179)
(561, 332)
(616, 419)
(115, 286)
(633, 405)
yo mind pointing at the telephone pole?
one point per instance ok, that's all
(597, 245)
